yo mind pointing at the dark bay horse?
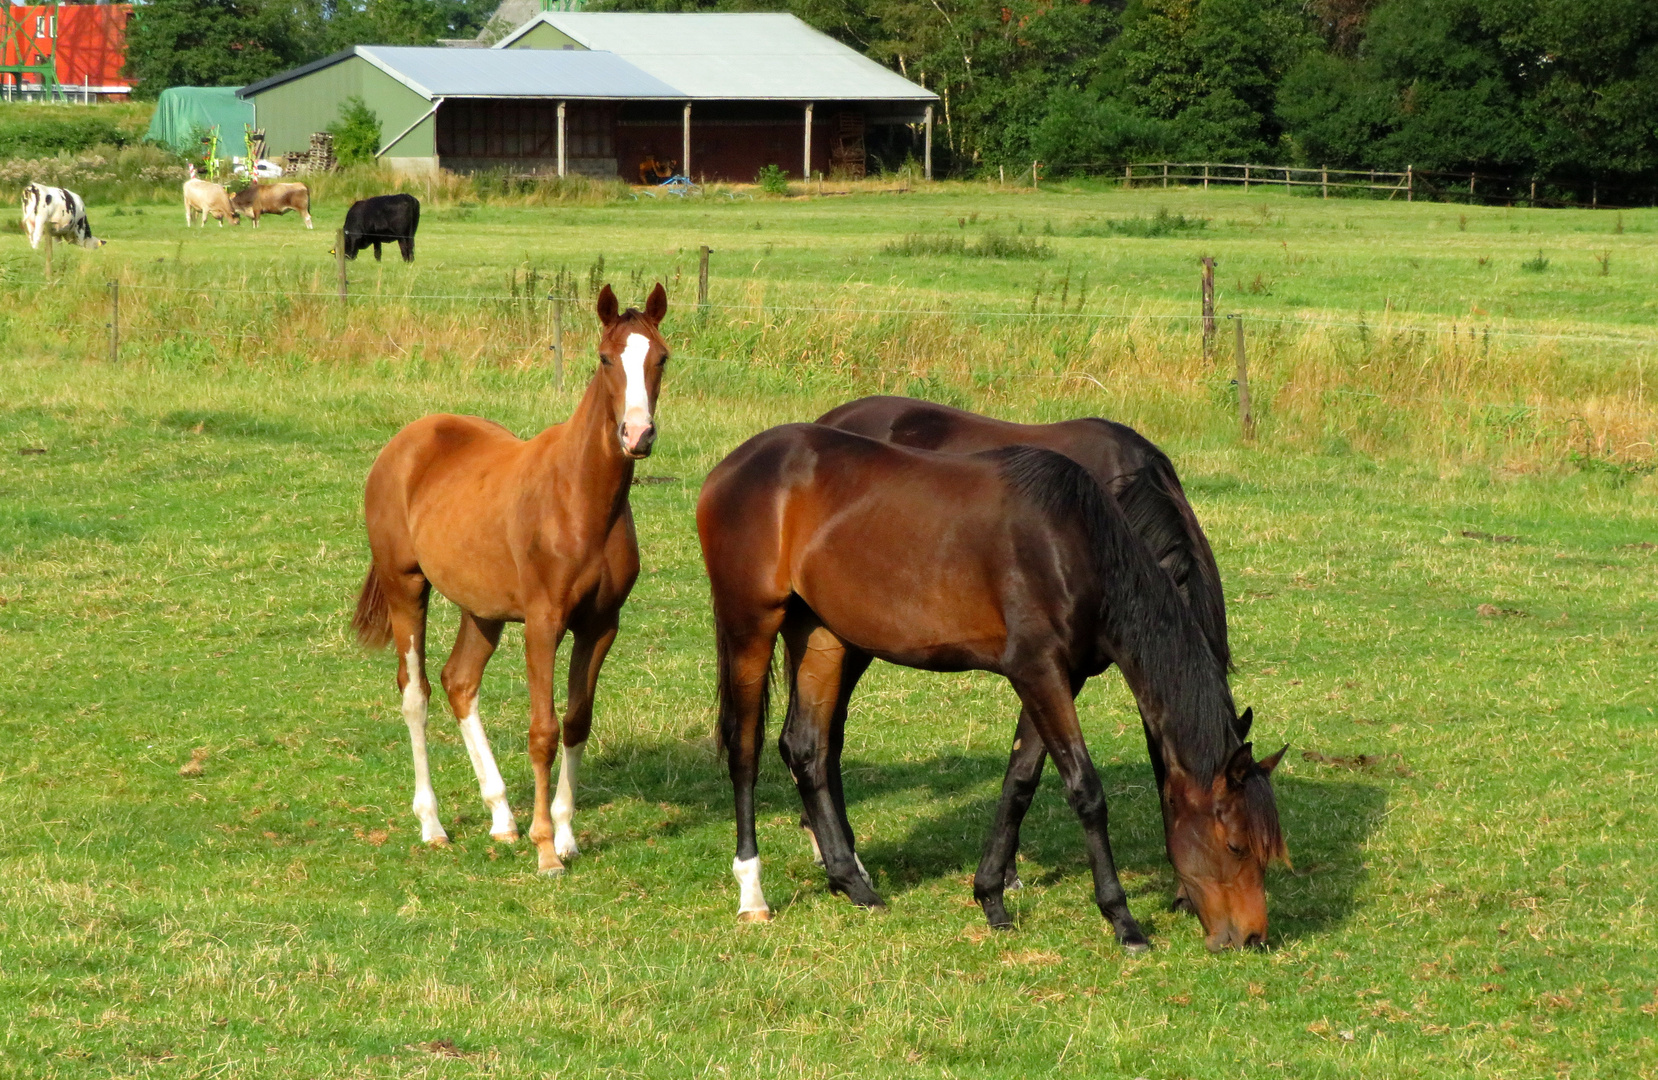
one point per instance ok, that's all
(1130, 468)
(1011, 561)
(538, 532)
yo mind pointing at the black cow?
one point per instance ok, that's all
(381, 220)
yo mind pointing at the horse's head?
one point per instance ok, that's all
(631, 356)
(1221, 835)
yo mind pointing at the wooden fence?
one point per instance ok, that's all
(1413, 183)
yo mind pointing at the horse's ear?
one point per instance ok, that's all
(1241, 765)
(1268, 764)
(657, 306)
(1241, 724)
(607, 306)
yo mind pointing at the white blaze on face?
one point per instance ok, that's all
(636, 415)
(747, 872)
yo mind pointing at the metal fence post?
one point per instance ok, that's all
(558, 343)
(339, 259)
(1246, 416)
(114, 322)
(702, 281)
(1208, 262)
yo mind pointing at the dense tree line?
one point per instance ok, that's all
(1525, 87)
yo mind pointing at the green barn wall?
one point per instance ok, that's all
(292, 111)
(546, 36)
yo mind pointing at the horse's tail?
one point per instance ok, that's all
(726, 731)
(1156, 508)
(373, 618)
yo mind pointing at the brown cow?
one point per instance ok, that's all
(205, 197)
(257, 198)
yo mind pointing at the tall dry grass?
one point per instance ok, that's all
(1521, 399)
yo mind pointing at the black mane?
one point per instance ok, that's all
(1141, 609)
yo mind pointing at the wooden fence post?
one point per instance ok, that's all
(48, 253)
(339, 260)
(1208, 262)
(558, 343)
(114, 322)
(1245, 415)
(1205, 176)
(702, 281)
(1165, 174)
(1410, 182)
(1246, 177)
(1128, 175)
(1035, 176)
(1324, 180)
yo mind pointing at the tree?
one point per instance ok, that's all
(356, 133)
(215, 42)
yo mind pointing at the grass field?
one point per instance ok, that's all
(1453, 630)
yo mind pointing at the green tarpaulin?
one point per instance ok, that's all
(184, 113)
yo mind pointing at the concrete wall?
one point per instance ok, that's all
(291, 112)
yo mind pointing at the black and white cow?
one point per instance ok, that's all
(383, 219)
(58, 210)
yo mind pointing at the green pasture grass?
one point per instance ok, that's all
(1277, 255)
(1460, 654)
(1472, 843)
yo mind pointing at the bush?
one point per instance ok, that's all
(773, 180)
(29, 130)
(1537, 265)
(992, 245)
(1160, 224)
(356, 133)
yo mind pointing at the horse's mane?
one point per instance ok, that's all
(1140, 607)
(1155, 507)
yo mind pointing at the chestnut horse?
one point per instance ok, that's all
(1130, 468)
(1012, 561)
(537, 532)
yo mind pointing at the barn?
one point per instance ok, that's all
(715, 96)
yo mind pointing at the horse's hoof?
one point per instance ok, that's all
(1136, 948)
(1013, 883)
(761, 916)
(505, 837)
(551, 871)
(438, 841)
(1005, 926)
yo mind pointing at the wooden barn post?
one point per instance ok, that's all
(685, 150)
(927, 147)
(702, 281)
(806, 161)
(561, 157)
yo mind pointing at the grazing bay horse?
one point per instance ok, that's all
(1011, 561)
(537, 532)
(1130, 468)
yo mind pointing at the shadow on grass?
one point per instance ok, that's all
(933, 815)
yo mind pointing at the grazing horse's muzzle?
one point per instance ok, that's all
(636, 439)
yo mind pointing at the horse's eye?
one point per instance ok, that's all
(1240, 852)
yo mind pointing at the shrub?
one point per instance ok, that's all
(356, 133)
(773, 180)
(1537, 265)
(992, 245)
(1160, 224)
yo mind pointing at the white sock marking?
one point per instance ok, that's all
(564, 801)
(862, 872)
(425, 804)
(748, 878)
(490, 785)
(817, 852)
